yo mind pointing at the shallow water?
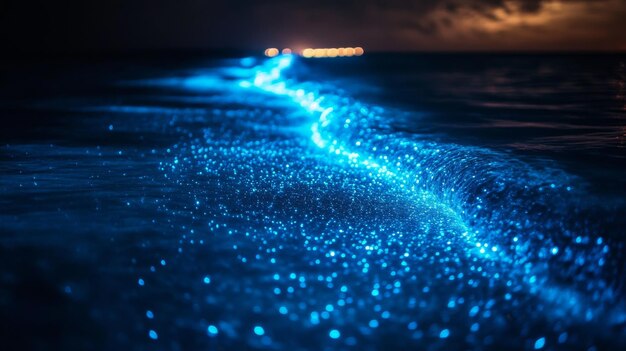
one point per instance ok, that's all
(388, 201)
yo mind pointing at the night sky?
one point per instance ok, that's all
(377, 25)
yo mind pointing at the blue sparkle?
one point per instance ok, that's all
(258, 330)
(540, 343)
(212, 330)
(444, 334)
(334, 334)
(474, 311)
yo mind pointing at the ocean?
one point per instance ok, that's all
(389, 201)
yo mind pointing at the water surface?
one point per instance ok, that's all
(382, 202)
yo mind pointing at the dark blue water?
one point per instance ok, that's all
(429, 202)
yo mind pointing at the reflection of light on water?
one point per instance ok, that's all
(242, 207)
(357, 231)
(334, 133)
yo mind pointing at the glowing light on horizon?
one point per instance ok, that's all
(271, 52)
(319, 52)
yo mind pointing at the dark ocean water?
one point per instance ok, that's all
(434, 202)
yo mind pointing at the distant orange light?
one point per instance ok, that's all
(318, 52)
(271, 52)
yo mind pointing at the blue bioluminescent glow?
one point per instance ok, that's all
(268, 204)
(359, 229)
(485, 192)
(258, 330)
(492, 232)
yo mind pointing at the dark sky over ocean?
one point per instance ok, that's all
(394, 25)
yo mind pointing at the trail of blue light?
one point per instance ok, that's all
(353, 227)
(269, 78)
(486, 194)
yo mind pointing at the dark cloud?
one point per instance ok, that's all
(531, 5)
